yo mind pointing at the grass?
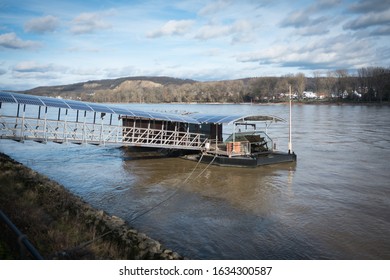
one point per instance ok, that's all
(55, 221)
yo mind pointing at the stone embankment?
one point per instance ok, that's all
(61, 225)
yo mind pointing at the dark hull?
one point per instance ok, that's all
(254, 161)
(139, 153)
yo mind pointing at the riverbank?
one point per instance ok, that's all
(60, 225)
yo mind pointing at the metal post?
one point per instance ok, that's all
(118, 129)
(216, 137)
(101, 129)
(84, 130)
(45, 126)
(93, 126)
(148, 133)
(22, 128)
(133, 134)
(289, 131)
(162, 133)
(65, 126)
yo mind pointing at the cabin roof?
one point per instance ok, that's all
(197, 118)
(229, 119)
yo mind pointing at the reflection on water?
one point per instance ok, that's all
(332, 204)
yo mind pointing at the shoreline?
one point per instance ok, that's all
(60, 225)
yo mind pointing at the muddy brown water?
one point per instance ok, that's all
(334, 203)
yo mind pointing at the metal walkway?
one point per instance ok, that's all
(78, 123)
(45, 130)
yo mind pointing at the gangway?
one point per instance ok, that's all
(80, 123)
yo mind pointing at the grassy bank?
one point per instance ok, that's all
(62, 226)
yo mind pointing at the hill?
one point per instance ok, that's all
(371, 84)
(106, 85)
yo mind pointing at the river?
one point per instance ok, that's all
(334, 203)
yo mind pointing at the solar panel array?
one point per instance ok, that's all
(10, 97)
(219, 119)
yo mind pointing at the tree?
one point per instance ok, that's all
(299, 84)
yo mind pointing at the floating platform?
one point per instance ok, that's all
(244, 161)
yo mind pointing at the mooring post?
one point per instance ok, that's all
(289, 130)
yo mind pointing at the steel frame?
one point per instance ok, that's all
(64, 131)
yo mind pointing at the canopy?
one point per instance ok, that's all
(229, 119)
(11, 97)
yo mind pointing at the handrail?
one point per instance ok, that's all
(22, 239)
(44, 130)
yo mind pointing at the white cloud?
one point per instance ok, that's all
(35, 67)
(326, 53)
(239, 28)
(172, 27)
(12, 41)
(214, 7)
(89, 23)
(42, 25)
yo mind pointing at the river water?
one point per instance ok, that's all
(334, 203)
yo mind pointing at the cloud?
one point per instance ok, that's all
(172, 27)
(32, 66)
(326, 53)
(368, 20)
(2, 71)
(382, 31)
(240, 29)
(214, 7)
(313, 20)
(365, 6)
(42, 25)
(89, 23)
(11, 41)
(296, 19)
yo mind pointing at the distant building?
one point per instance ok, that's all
(310, 95)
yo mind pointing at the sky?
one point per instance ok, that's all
(45, 43)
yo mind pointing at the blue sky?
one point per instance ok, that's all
(60, 42)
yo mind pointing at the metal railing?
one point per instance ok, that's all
(23, 242)
(161, 138)
(44, 130)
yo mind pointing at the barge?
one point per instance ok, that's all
(248, 148)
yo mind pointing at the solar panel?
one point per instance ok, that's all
(202, 117)
(78, 105)
(141, 114)
(6, 97)
(159, 116)
(54, 102)
(83, 106)
(229, 118)
(100, 108)
(28, 99)
(121, 111)
(181, 118)
(206, 118)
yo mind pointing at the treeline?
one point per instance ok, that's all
(370, 84)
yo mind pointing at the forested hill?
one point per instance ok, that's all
(370, 84)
